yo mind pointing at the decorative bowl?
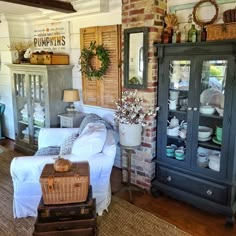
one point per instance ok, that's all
(204, 132)
(207, 110)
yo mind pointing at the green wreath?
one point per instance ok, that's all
(85, 61)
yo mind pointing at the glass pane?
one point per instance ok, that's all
(20, 85)
(22, 109)
(38, 105)
(179, 73)
(179, 76)
(211, 109)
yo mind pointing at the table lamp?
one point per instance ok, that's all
(71, 96)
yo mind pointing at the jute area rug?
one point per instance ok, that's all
(122, 219)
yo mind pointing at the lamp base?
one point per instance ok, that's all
(70, 108)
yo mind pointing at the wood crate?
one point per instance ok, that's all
(221, 31)
(65, 187)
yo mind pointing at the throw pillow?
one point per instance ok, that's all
(67, 144)
(94, 118)
(47, 151)
(91, 140)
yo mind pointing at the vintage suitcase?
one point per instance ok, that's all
(36, 58)
(65, 187)
(55, 59)
(67, 212)
(66, 225)
(73, 232)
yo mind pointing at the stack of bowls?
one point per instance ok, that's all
(218, 138)
(204, 133)
(179, 154)
(170, 151)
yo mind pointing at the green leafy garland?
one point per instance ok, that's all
(85, 60)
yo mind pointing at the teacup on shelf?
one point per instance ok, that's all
(179, 154)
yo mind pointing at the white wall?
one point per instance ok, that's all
(182, 8)
(19, 27)
(112, 17)
(6, 29)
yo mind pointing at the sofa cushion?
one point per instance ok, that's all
(91, 140)
(67, 144)
(46, 151)
(94, 118)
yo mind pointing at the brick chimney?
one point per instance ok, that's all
(148, 13)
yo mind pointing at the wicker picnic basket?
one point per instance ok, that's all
(65, 187)
(221, 31)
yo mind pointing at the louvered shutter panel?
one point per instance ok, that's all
(110, 86)
(90, 87)
(103, 92)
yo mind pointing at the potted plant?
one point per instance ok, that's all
(131, 117)
(20, 48)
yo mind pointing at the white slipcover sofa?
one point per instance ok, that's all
(96, 144)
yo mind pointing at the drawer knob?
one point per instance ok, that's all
(169, 178)
(209, 192)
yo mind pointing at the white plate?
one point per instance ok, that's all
(212, 97)
(204, 139)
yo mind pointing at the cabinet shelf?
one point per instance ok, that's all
(23, 122)
(215, 116)
(177, 112)
(179, 90)
(176, 138)
(210, 145)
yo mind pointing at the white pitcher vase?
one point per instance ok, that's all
(130, 134)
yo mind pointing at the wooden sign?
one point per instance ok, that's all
(52, 37)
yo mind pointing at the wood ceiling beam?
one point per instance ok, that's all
(54, 5)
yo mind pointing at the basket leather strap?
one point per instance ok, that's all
(50, 182)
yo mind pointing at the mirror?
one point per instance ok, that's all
(135, 57)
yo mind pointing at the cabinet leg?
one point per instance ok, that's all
(229, 222)
(155, 192)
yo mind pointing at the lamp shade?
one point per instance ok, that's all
(71, 95)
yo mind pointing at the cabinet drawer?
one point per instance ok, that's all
(200, 187)
(66, 122)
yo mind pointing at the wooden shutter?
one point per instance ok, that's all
(90, 87)
(103, 92)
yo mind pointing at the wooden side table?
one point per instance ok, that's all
(128, 185)
(71, 119)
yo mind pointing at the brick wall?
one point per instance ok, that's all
(149, 13)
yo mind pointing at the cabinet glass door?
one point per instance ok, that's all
(22, 116)
(37, 104)
(211, 111)
(178, 94)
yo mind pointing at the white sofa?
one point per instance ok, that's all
(26, 170)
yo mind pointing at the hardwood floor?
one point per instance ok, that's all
(186, 217)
